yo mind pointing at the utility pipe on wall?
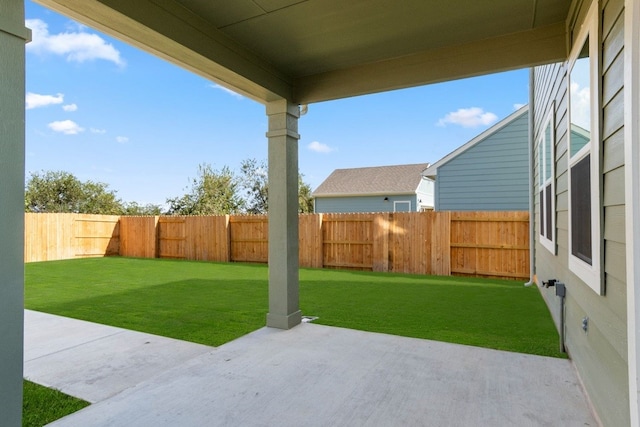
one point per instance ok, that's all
(561, 292)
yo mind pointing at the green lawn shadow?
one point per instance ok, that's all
(213, 303)
(203, 311)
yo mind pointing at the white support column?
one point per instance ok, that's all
(632, 197)
(13, 36)
(284, 312)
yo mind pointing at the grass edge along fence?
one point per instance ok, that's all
(481, 244)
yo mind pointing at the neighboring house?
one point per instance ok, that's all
(488, 173)
(400, 188)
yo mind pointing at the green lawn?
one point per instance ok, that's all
(213, 303)
(42, 405)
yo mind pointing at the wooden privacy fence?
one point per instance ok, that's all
(494, 244)
(63, 236)
(489, 244)
(401, 242)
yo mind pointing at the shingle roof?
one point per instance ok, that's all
(398, 179)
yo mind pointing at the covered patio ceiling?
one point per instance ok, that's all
(315, 50)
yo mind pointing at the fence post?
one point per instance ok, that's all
(319, 245)
(156, 237)
(441, 245)
(381, 242)
(226, 232)
(310, 235)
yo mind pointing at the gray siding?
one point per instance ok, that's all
(601, 354)
(492, 175)
(361, 204)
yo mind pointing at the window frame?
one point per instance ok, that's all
(590, 274)
(401, 202)
(545, 184)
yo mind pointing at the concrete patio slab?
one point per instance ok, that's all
(317, 375)
(94, 362)
(46, 333)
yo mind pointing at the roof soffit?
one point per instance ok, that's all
(317, 36)
(314, 50)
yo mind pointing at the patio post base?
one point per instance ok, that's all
(284, 321)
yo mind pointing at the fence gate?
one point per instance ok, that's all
(171, 237)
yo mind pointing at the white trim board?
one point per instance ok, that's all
(632, 197)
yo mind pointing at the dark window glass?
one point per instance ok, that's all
(542, 213)
(581, 210)
(547, 152)
(548, 214)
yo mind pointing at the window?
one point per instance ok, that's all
(584, 157)
(581, 211)
(546, 156)
(402, 206)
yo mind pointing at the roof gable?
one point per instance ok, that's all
(398, 179)
(432, 170)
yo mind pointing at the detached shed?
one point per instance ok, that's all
(488, 173)
(400, 188)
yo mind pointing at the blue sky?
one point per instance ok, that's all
(108, 112)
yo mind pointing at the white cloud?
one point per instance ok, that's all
(580, 106)
(122, 139)
(468, 118)
(98, 131)
(70, 107)
(67, 127)
(75, 26)
(78, 46)
(319, 147)
(518, 106)
(226, 90)
(35, 100)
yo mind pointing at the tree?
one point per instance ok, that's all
(59, 191)
(255, 181)
(305, 200)
(135, 209)
(212, 192)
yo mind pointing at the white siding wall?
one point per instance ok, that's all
(425, 193)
